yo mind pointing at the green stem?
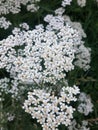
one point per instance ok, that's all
(2, 117)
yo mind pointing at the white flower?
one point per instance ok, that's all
(85, 106)
(59, 11)
(4, 87)
(66, 2)
(83, 56)
(32, 7)
(76, 126)
(24, 26)
(43, 54)
(10, 116)
(14, 6)
(50, 110)
(4, 23)
(81, 3)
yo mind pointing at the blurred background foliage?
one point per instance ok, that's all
(88, 81)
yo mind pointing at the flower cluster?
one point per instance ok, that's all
(81, 3)
(82, 53)
(66, 2)
(83, 56)
(85, 106)
(10, 116)
(38, 61)
(43, 54)
(24, 26)
(96, 0)
(9, 6)
(4, 86)
(14, 6)
(60, 11)
(76, 126)
(12, 87)
(4, 23)
(50, 110)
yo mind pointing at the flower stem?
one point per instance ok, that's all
(2, 117)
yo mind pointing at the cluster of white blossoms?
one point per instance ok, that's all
(82, 53)
(10, 116)
(42, 54)
(24, 26)
(66, 2)
(76, 126)
(60, 11)
(96, 0)
(86, 105)
(14, 6)
(83, 57)
(42, 57)
(4, 86)
(4, 23)
(81, 3)
(12, 87)
(50, 110)
(75, 25)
